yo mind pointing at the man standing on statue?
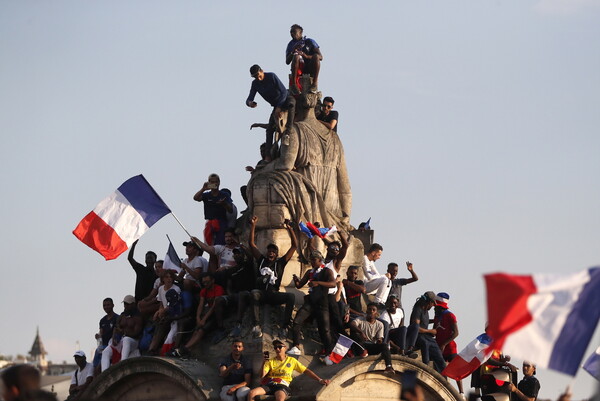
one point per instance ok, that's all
(270, 87)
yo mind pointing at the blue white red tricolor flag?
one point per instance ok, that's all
(470, 358)
(545, 318)
(592, 364)
(121, 218)
(172, 260)
(341, 348)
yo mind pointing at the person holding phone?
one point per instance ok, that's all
(278, 374)
(217, 203)
(236, 371)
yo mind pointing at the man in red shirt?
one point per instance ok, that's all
(446, 327)
(210, 299)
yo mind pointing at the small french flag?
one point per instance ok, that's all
(121, 218)
(341, 348)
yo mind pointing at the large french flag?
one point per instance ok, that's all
(121, 218)
(545, 318)
(470, 358)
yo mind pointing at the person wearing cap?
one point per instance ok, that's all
(270, 87)
(270, 269)
(375, 282)
(320, 280)
(145, 275)
(216, 205)
(278, 374)
(425, 340)
(236, 371)
(529, 387)
(83, 376)
(126, 335)
(192, 266)
(446, 327)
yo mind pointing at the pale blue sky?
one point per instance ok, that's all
(470, 130)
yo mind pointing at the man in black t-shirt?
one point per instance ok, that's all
(529, 387)
(328, 116)
(145, 275)
(107, 324)
(270, 273)
(236, 371)
(354, 289)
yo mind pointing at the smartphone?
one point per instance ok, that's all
(266, 354)
(212, 186)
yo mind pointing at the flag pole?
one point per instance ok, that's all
(182, 226)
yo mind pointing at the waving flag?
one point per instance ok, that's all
(172, 260)
(592, 364)
(121, 218)
(546, 318)
(470, 358)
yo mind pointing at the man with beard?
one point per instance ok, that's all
(270, 269)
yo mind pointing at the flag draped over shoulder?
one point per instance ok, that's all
(545, 318)
(121, 218)
(470, 358)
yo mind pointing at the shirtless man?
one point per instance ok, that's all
(126, 334)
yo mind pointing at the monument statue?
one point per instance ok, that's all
(308, 181)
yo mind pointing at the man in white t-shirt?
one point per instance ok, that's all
(83, 376)
(224, 253)
(375, 282)
(193, 266)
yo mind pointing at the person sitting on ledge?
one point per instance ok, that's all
(236, 371)
(277, 374)
(368, 334)
(210, 299)
(303, 54)
(375, 283)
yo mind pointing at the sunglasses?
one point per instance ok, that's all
(279, 346)
(328, 106)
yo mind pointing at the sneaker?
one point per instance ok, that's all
(364, 353)
(294, 351)
(175, 353)
(389, 370)
(412, 355)
(236, 331)
(256, 331)
(327, 361)
(349, 354)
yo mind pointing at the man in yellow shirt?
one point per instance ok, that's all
(277, 374)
